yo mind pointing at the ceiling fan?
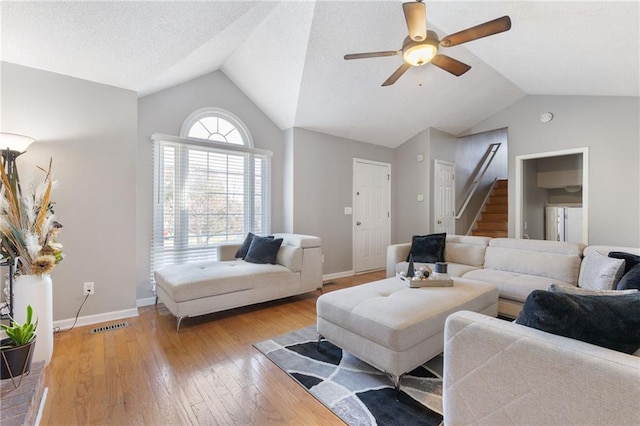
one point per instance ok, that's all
(421, 46)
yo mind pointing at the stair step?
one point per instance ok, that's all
(501, 183)
(494, 217)
(492, 226)
(496, 208)
(500, 192)
(488, 233)
(498, 200)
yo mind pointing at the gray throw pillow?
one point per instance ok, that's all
(569, 289)
(599, 272)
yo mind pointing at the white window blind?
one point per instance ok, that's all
(206, 193)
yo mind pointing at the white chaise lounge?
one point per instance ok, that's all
(199, 288)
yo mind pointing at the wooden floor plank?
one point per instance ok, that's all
(208, 374)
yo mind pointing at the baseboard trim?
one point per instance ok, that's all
(66, 324)
(146, 301)
(336, 275)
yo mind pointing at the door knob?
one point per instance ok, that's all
(358, 223)
(439, 222)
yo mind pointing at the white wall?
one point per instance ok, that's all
(165, 112)
(610, 128)
(90, 131)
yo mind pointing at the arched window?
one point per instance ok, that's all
(216, 124)
(211, 186)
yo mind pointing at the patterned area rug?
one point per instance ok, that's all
(355, 391)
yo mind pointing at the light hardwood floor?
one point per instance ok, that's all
(207, 374)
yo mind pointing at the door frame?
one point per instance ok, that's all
(435, 193)
(353, 204)
(519, 207)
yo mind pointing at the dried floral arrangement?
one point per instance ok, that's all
(28, 225)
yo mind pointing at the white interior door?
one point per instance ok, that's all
(371, 214)
(445, 197)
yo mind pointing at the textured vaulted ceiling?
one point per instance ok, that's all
(287, 56)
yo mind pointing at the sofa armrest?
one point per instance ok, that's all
(227, 251)
(396, 253)
(498, 372)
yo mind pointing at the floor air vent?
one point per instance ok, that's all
(110, 327)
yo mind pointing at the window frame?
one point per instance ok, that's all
(201, 113)
(160, 256)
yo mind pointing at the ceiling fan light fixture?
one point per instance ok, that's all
(420, 53)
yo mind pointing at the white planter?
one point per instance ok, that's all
(36, 290)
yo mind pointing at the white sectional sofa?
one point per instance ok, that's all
(515, 266)
(501, 373)
(199, 288)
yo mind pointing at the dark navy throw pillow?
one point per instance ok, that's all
(609, 321)
(630, 280)
(630, 260)
(428, 248)
(263, 250)
(244, 248)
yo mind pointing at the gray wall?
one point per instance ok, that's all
(165, 112)
(287, 181)
(534, 200)
(412, 177)
(90, 131)
(610, 128)
(322, 188)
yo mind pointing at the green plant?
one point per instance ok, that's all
(21, 334)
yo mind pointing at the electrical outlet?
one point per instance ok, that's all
(88, 289)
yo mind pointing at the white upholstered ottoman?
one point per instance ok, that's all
(396, 328)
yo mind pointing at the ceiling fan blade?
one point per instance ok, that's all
(483, 30)
(415, 13)
(371, 54)
(397, 74)
(451, 65)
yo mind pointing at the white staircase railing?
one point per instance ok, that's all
(485, 162)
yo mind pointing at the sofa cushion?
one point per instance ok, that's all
(299, 240)
(611, 322)
(263, 250)
(196, 280)
(599, 272)
(556, 266)
(569, 289)
(542, 246)
(468, 250)
(290, 257)
(512, 285)
(244, 248)
(428, 248)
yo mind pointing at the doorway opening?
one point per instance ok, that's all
(552, 190)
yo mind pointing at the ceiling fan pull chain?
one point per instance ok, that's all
(420, 75)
